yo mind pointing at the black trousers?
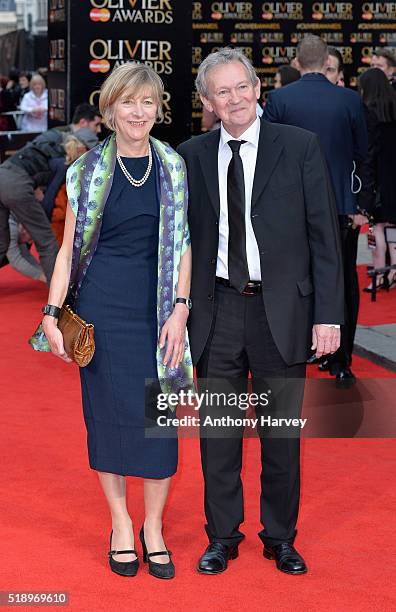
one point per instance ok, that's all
(342, 358)
(17, 196)
(240, 341)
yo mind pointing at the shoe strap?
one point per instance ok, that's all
(122, 552)
(162, 552)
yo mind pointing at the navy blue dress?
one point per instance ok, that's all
(119, 296)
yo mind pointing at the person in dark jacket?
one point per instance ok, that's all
(378, 194)
(24, 81)
(29, 168)
(336, 115)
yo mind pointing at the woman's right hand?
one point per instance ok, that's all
(55, 338)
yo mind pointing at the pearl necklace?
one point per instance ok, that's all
(133, 181)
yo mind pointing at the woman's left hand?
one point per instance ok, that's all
(174, 332)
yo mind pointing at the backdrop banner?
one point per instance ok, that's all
(102, 34)
(268, 33)
(87, 39)
(58, 66)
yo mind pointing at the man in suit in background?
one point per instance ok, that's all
(336, 115)
(385, 60)
(266, 285)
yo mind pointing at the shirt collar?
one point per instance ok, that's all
(251, 135)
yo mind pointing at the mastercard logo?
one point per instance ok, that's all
(267, 59)
(367, 15)
(99, 65)
(96, 14)
(267, 16)
(216, 15)
(317, 15)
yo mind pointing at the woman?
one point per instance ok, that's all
(35, 106)
(6, 121)
(286, 75)
(74, 149)
(378, 194)
(24, 83)
(131, 259)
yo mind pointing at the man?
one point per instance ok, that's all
(336, 115)
(335, 66)
(385, 61)
(28, 169)
(266, 281)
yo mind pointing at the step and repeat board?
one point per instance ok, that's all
(88, 38)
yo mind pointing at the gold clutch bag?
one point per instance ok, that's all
(78, 336)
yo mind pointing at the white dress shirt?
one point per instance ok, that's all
(248, 153)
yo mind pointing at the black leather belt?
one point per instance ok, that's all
(252, 288)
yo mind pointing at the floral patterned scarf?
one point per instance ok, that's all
(88, 181)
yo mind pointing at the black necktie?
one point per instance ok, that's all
(238, 271)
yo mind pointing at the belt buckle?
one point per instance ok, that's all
(249, 290)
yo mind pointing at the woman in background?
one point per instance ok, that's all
(35, 106)
(378, 194)
(286, 75)
(24, 83)
(74, 149)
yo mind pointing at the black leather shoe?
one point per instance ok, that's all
(127, 568)
(215, 558)
(311, 360)
(345, 379)
(324, 366)
(286, 557)
(165, 571)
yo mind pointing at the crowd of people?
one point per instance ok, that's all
(27, 93)
(41, 165)
(235, 254)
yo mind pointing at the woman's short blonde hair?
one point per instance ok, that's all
(74, 148)
(37, 78)
(133, 78)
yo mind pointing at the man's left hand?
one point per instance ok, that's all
(325, 339)
(358, 220)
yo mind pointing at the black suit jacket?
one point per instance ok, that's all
(335, 114)
(295, 223)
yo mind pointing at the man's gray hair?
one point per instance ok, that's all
(312, 52)
(227, 55)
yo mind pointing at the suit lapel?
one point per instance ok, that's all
(269, 150)
(208, 157)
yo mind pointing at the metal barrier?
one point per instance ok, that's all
(11, 142)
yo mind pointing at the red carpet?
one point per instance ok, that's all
(55, 525)
(375, 313)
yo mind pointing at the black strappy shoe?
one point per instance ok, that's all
(127, 568)
(165, 571)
